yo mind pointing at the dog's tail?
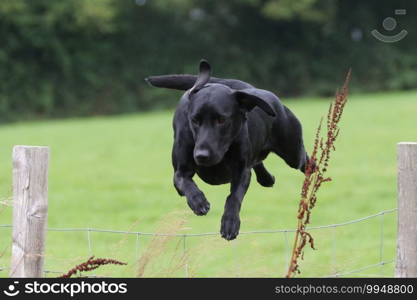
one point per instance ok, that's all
(176, 82)
(184, 82)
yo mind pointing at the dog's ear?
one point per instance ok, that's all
(203, 76)
(249, 98)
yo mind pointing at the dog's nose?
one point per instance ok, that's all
(202, 155)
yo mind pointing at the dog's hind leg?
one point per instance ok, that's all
(263, 176)
(288, 141)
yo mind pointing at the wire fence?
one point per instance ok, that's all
(186, 236)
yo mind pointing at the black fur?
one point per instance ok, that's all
(222, 129)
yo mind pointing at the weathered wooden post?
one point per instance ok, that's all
(30, 207)
(406, 265)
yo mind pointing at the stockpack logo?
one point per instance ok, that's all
(12, 290)
(65, 288)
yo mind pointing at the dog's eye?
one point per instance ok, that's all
(220, 120)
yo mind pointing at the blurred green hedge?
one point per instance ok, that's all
(85, 57)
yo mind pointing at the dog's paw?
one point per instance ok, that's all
(199, 204)
(266, 181)
(230, 227)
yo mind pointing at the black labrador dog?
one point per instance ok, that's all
(223, 128)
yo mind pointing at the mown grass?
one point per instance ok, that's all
(115, 173)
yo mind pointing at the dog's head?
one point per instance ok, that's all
(216, 114)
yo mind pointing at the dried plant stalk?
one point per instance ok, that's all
(159, 246)
(315, 175)
(91, 264)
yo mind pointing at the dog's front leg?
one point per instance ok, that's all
(230, 221)
(185, 185)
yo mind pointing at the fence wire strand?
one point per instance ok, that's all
(184, 236)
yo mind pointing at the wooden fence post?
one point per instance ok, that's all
(30, 207)
(406, 265)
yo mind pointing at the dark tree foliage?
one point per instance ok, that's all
(84, 57)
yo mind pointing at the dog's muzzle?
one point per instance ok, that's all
(203, 157)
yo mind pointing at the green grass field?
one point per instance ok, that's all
(115, 173)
